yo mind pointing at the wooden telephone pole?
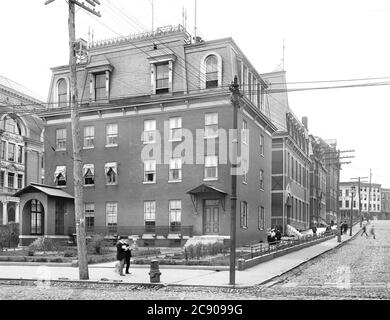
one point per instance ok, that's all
(235, 99)
(360, 202)
(76, 137)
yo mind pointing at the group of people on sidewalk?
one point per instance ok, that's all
(372, 230)
(123, 255)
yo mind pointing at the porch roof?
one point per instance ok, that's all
(49, 190)
(204, 188)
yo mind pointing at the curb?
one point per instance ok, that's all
(48, 264)
(301, 263)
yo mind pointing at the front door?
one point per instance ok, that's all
(211, 217)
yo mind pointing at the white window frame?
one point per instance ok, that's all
(203, 70)
(149, 131)
(210, 161)
(111, 214)
(262, 145)
(175, 164)
(261, 179)
(175, 125)
(91, 168)
(175, 210)
(211, 122)
(244, 215)
(150, 167)
(114, 134)
(261, 218)
(89, 213)
(114, 167)
(149, 212)
(89, 138)
(60, 170)
(62, 140)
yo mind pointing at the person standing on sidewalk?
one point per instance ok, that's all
(120, 255)
(364, 228)
(127, 257)
(372, 231)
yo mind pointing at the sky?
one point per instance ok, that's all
(324, 40)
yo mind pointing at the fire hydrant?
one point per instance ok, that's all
(154, 272)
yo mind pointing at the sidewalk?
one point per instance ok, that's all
(175, 275)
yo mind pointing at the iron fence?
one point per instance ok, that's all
(260, 249)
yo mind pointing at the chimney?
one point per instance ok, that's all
(304, 122)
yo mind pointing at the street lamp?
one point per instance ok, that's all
(353, 192)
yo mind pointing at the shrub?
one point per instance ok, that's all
(43, 244)
(70, 253)
(97, 244)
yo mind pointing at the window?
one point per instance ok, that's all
(11, 125)
(149, 171)
(20, 181)
(162, 78)
(174, 215)
(61, 139)
(89, 210)
(20, 154)
(2, 177)
(89, 136)
(211, 125)
(149, 131)
(150, 216)
(111, 173)
(245, 171)
(346, 192)
(262, 146)
(60, 176)
(175, 169)
(244, 132)
(244, 215)
(211, 167)
(111, 215)
(175, 125)
(11, 151)
(3, 149)
(11, 180)
(100, 86)
(347, 203)
(112, 134)
(36, 217)
(89, 174)
(211, 71)
(250, 86)
(340, 204)
(62, 93)
(262, 179)
(261, 218)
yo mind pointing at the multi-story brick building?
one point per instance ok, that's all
(318, 175)
(21, 146)
(290, 159)
(370, 200)
(155, 118)
(385, 195)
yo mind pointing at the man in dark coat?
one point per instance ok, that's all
(121, 254)
(127, 257)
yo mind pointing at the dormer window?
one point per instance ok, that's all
(211, 71)
(100, 87)
(11, 125)
(62, 95)
(162, 78)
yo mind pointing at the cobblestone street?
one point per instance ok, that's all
(359, 269)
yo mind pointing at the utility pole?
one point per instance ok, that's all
(76, 138)
(352, 194)
(338, 163)
(359, 196)
(235, 99)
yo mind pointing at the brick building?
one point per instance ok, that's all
(370, 200)
(290, 159)
(155, 118)
(318, 175)
(385, 195)
(21, 149)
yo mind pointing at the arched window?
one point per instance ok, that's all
(211, 71)
(62, 93)
(11, 125)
